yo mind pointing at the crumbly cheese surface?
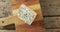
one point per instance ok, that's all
(26, 14)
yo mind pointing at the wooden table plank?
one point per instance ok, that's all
(53, 30)
(52, 22)
(50, 7)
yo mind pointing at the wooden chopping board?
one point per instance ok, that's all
(37, 25)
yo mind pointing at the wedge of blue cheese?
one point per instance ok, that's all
(26, 14)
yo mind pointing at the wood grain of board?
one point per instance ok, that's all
(10, 20)
(30, 4)
(37, 25)
(17, 3)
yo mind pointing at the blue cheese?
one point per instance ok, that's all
(26, 14)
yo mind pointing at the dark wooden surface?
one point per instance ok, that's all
(51, 11)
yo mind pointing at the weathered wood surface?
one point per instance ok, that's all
(53, 30)
(5, 8)
(51, 11)
(52, 22)
(50, 7)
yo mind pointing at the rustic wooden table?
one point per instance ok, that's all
(51, 11)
